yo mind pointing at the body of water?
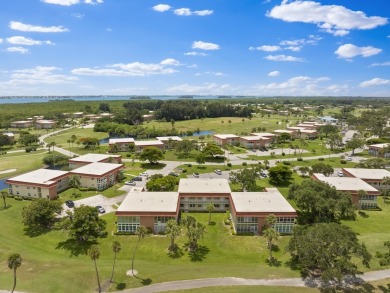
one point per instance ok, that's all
(2, 184)
(45, 99)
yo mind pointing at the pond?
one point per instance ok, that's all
(2, 184)
(203, 132)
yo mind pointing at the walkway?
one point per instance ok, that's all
(232, 281)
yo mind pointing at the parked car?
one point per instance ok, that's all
(349, 159)
(69, 203)
(196, 175)
(100, 209)
(173, 174)
(137, 178)
(340, 174)
(218, 172)
(143, 174)
(131, 183)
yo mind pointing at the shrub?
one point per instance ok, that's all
(189, 165)
(283, 154)
(320, 159)
(244, 163)
(229, 164)
(286, 163)
(128, 155)
(300, 159)
(343, 161)
(184, 171)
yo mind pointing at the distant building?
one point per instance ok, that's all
(21, 124)
(93, 158)
(352, 186)
(141, 144)
(223, 139)
(167, 140)
(44, 124)
(255, 142)
(379, 150)
(374, 177)
(123, 144)
(328, 120)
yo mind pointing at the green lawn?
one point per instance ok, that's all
(22, 162)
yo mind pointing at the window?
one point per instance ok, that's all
(227, 206)
(284, 224)
(200, 205)
(192, 205)
(216, 205)
(160, 219)
(128, 224)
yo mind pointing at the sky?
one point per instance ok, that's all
(195, 47)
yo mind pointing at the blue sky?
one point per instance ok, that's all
(195, 47)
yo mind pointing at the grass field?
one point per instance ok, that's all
(50, 262)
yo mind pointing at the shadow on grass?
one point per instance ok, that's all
(177, 252)
(157, 166)
(74, 247)
(35, 231)
(212, 223)
(273, 262)
(120, 286)
(6, 208)
(363, 214)
(384, 289)
(144, 282)
(199, 254)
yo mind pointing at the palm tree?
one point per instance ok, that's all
(210, 209)
(94, 254)
(116, 248)
(141, 233)
(361, 195)
(74, 181)
(52, 144)
(270, 233)
(4, 195)
(386, 187)
(172, 229)
(14, 261)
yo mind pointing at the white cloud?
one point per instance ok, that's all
(161, 7)
(78, 15)
(283, 58)
(171, 62)
(374, 82)
(274, 73)
(19, 26)
(40, 75)
(348, 51)
(204, 46)
(195, 54)
(204, 89)
(130, 69)
(381, 64)
(211, 73)
(19, 40)
(188, 12)
(333, 19)
(1, 40)
(302, 86)
(17, 50)
(266, 48)
(72, 2)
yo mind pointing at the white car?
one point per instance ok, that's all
(143, 174)
(340, 174)
(349, 159)
(131, 183)
(196, 175)
(218, 172)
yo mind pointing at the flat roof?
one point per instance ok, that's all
(96, 168)
(296, 128)
(270, 201)
(379, 145)
(92, 158)
(346, 183)
(283, 131)
(22, 121)
(263, 134)
(149, 202)
(224, 136)
(121, 140)
(308, 131)
(40, 176)
(368, 173)
(253, 138)
(167, 138)
(147, 142)
(203, 185)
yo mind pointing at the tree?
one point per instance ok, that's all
(280, 174)
(89, 142)
(361, 195)
(355, 143)
(152, 154)
(166, 183)
(74, 182)
(4, 194)
(210, 209)
(41, 214)
(304, 170)
(141, 233)
(334, 141)
(94, 254)
(195, 232)
(374, 163)
(211, 150)
(55, 159)
(319, 202)
(322, 168)
(116, 248)
(328, 129)
(386, 189)
(14, 262)
(270, 233)
(172, 229)
(200, 158)
(184, 147)
(246, 178)
(327, 250)
(26, 138)
(5, 140)
(84, 224)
